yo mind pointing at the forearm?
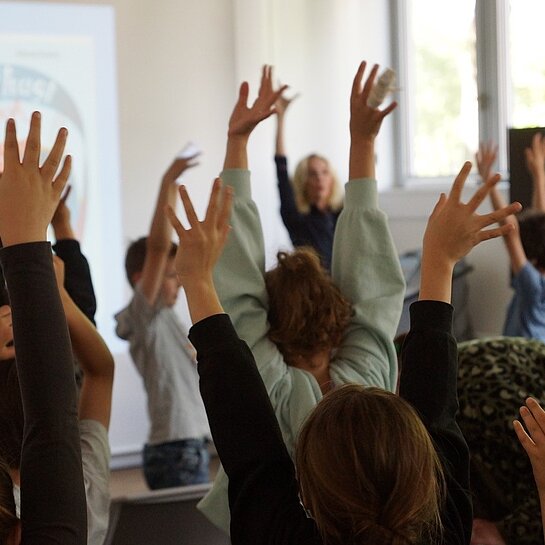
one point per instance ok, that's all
(435, 278)
(236, 155)
(280, 148)
(202, 298)
(538, 196)
(362, 158)
(89, 347)
(161, 230)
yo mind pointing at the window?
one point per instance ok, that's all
(467, 71)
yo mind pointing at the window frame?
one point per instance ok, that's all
(493, 73)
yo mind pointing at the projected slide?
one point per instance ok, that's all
(60, 59)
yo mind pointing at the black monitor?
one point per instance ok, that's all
(519, 176)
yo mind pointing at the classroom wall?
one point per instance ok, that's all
(180, 63)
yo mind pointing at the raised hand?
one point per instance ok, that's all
(535, 156)
(282, 103)
(365, 121)
(29, 194)
(200, 247)
(244, 119)
(485, 159)
(453, 229)
(533, 440)
(179, 166)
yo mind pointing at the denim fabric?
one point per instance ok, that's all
(176, 463)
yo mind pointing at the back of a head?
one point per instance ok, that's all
(532, 236)
(367, 469)
(136, 256)
(307, 312)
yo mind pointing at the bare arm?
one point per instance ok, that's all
(535, 161)
(159, 238)
(93, 355)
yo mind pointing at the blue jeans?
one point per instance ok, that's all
(176, 463)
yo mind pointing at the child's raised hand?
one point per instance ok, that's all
(201, 245)
(365, 121)
(243, 120)
(454, 228)
(533, 440)
(282, 103)
(485, 158)
(29, 194)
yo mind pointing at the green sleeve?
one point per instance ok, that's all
(366, 269)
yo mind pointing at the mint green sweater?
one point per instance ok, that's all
(365, 267)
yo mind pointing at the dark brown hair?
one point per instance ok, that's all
(368, 470)
(136, 255)
(307, 312)
(532, 236)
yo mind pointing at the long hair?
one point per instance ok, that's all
(307, 312)
(8, 517)
(299, 184)
(368, 471)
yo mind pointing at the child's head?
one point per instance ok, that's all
(532, 236)
(134, 265)
(367, 469)
(307, 312)
(314, 182)
(8, 519)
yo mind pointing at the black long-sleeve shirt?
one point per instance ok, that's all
(263, 491)
(53, 503)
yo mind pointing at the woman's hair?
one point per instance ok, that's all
(299, 183)
(8, 517)
(307, 312)
(368, 471)
(532, 236)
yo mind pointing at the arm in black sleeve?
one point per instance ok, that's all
(52, 492)
(77, 276)
(263, 492)
(288, 209)
(428, 382)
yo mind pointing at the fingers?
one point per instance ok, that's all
(527, 444)
(499, 215)
(243, 93)
(369, 83)
(439, 205)
(538, 415)
(51, 164)
(61, 180)
(66, 194)
(175, 222)
(358, 78)
(188, 207)
(213, 202)
(483, 191)
(11, 147)
(31, 156)
(458, 185)
(389, 109)
(489, 234)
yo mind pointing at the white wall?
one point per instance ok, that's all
(180, 63)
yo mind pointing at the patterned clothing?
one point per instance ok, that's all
(495, 376)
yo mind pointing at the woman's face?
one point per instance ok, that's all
(319, 182)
